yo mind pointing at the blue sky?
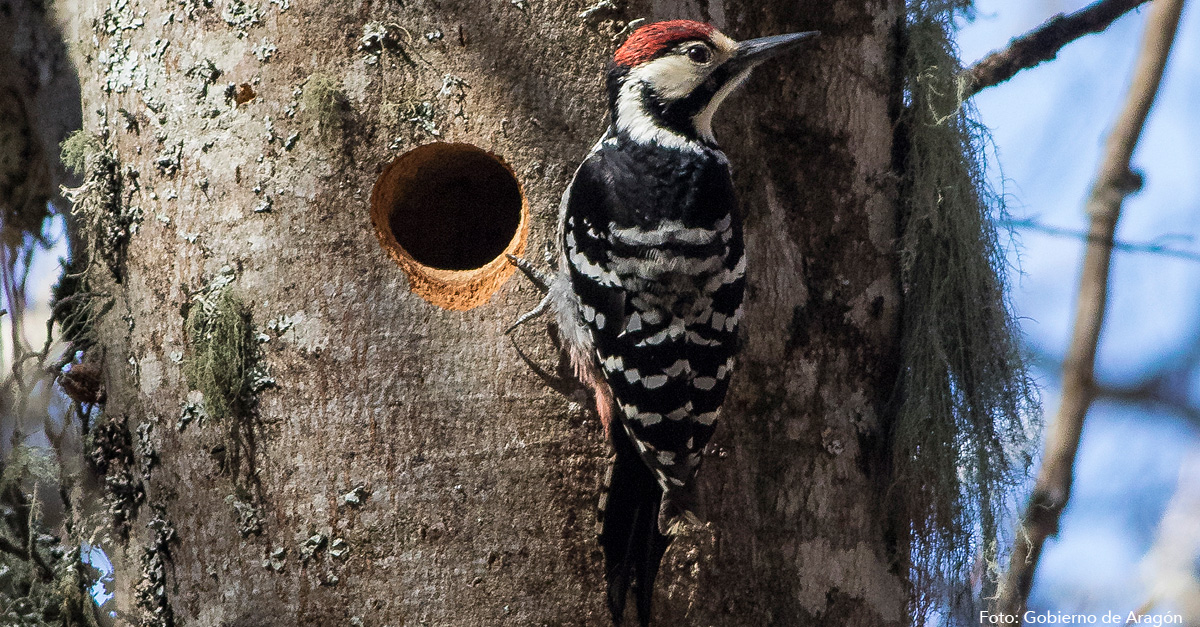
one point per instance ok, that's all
(1048, 125)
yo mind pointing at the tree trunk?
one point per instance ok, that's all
(408, 466)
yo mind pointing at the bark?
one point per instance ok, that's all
(479, 480)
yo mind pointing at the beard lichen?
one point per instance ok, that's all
(224, 366)
(967, 412)
(103, 223)
(223, 350)
(43, 579)
(106, 219)
(220, 334)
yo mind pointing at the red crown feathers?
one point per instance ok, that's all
(648, 41)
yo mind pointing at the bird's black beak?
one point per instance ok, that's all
(751, 52)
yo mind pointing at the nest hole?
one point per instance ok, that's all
(447, 214)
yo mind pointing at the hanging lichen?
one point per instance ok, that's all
(43, 579)
(76, 149)
(224, 366)
(106, 220)
(223, 351)
(967, 408)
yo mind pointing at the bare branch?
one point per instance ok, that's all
(7, 546)
(1113, 182)
(24, 531)
(1155, 395)
(1165, 391)
(1154, 247)
(1043, 43)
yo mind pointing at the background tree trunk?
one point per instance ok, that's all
(479, 480)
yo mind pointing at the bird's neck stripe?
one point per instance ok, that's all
(633, 118)
(702, 121)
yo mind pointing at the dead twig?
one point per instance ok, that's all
(1154, 247)
(1113, 182)
(1043, 43)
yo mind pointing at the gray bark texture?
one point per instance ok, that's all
(478, 479)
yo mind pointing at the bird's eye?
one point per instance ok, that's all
(699, 54)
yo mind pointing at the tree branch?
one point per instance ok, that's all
(1113, 182)
(43, 570)
(1043, 43)
(7, 546)
(13, 497)
(1153, 247)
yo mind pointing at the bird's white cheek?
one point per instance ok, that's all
(672, 77)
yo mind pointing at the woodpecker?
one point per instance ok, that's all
(650, 280)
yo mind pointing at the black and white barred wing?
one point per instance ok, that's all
(663, 301)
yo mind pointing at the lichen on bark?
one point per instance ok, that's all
(224, 364)
(107, 219)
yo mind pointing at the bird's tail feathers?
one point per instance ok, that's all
(629, 531)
